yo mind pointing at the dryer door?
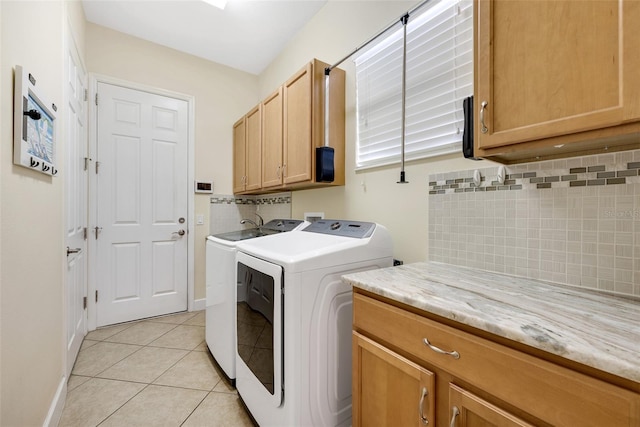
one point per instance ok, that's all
(259, 314)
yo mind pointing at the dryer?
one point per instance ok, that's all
(294, 320)
(220, 252)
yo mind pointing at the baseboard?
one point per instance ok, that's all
(57, 405)
(199, 304)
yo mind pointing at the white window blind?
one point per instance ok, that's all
(439, 75)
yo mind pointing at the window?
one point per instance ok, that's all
(439, 75)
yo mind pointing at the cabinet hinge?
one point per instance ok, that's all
(86, 163)
(97, 167)
(84, 303)
(86, 95)
(96, 296)
(85, 233)
(96, 99)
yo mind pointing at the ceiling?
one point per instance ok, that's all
(247, 34)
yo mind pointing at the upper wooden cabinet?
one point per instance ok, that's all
(556, 78)
(298, 126)
(293, 127)
(254, 151)
(272, 140)
(247, 162)
(239, 155)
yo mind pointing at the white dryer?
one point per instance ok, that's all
(294, 320)
(220, 276)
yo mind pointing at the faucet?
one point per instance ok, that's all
(244, 221)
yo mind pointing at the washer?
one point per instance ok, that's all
(294, 320)
(220, 287)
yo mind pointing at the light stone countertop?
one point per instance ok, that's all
(591, 328)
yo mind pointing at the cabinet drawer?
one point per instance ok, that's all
(549, 392)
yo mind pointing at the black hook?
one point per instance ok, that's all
(34, 114)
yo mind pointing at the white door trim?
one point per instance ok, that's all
(94, 79)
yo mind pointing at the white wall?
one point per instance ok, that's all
(32, 267)
(372, 195)
(1, 139)
(222, 96)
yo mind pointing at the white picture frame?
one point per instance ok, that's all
(34, 132)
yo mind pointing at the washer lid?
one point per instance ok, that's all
(249, 233)
(272, 227)
(302, 250)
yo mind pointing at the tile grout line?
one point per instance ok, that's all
(147, 384)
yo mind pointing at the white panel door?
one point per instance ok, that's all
(75, 203)
(141, 204)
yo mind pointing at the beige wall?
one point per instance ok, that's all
(222, 95)
(32, 267)
(371, 195)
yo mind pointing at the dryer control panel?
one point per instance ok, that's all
(338, 227)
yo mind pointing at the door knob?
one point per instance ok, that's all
(179, 232)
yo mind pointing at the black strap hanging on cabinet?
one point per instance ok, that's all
(404, 20)
(325, 169)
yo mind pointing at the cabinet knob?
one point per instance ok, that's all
(483, 106)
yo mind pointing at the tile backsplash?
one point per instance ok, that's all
(574, 221)
(226, 211)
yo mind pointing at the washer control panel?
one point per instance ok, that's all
(282, 224)
(338, 227)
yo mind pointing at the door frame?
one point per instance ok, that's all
(94, 79)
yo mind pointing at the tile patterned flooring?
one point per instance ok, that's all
(154, 372)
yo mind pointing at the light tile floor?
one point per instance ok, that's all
(155, 372)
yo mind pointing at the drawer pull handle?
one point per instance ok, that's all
(483, 107)
(424, 420)
(453, 354)
(456, 412)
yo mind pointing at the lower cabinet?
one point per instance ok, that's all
(389, 390)
(469, 410)
(411, 370)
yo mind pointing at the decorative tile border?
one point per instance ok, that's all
(537, 180)
(271, 199)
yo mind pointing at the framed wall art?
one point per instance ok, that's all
(34, 126)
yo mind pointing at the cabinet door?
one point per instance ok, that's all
(254, 150)
(389, 390)
(551, 68)
(272, 140)
(239, 155)
(298, 143)
(468, 410)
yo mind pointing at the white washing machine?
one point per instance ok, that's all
(221, 288)
(294, 320)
